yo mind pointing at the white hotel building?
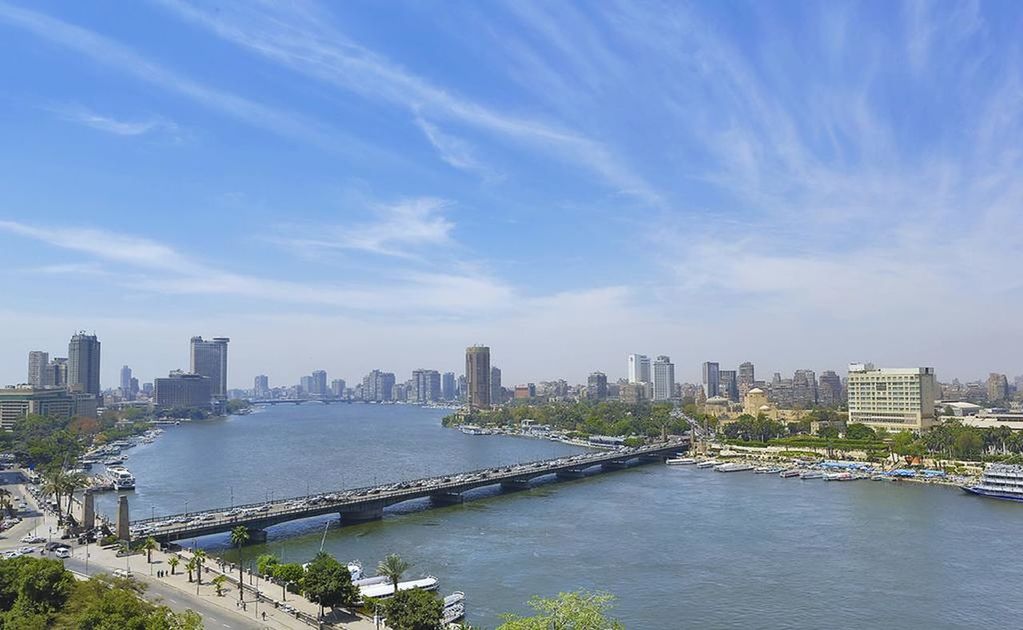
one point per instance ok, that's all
(892, 399)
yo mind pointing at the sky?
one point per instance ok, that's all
(359, 185)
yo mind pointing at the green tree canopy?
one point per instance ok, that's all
(327, 582)
(568, 611)
(414, 609)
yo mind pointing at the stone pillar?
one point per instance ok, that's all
(88, 511)
(515, 484)
(256, 535)
(122, 518)
(571, 473)
(362, 513)
(447, 498)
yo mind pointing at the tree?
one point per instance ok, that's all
(265, 563)
(102, 604)
(289, 573)
(199, 555)
(239, 536)
(191, 565)
(393, 567)
(173, 563)
(414, 609)
(327, 582)
(968, 444)
(218, 584)
(149, 545)
(859, 431)
(568, 611)
(72, 482)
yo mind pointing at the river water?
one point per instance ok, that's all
(679, 547)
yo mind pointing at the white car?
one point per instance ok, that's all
(30, 539)
(26, 550)
(122, 573)
(62, 552)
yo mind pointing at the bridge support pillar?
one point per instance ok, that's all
(255, 535)
(569, 474)
(88, 511)
(447, 498)
(613, 465)
(653, 457)
(515, 484)
(364, 513)
(123, 532)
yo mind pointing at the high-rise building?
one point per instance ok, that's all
(997, 387)
(319, 383)
(447, 386)
(728, 385)
(639, 368)
(596, 386)
(126, 392)
(56, 374)
(133, 385)
(209, 359)
(462, 388)
(664, 378)
(746, 378)
(829, 389)
(83, 364)
(425, 386)
(496, 390)
(337, 387)
(804, 389)
(38, 361)
(181, 389)
(261, 386)
(711, 379)
(378, 386)
(477, 377)
(892, 399)
(305, 384)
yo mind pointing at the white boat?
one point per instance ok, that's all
(122, 479)
(999, 481)
(789, 473)
(452, 614)
(113, 461)
(386, 589)
(811, 474)
(370, 581)
(355, 568)
(707, 463)
(839, 476)
(471, 429)
(733, 467)
(455, 598)
(679, 461)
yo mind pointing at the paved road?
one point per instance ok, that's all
(212, 616)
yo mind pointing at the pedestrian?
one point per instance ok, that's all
(264, 615)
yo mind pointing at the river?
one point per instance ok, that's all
(679, 547)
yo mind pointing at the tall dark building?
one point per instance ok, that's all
(711, 379)
(318, 385)
(209, 359)
(261, 386)
(496, 391)
(596, 386)
(477, 377)
(38, 362)
(728, 385)
(83, 363)
(56, 373)
(829, 389)
(447, 386)
(126, 392)
(747, 378)
(425, 386)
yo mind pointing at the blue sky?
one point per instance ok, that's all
(356, 185)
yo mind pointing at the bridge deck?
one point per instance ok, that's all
(368, 502)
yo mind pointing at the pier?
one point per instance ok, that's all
(362, 504)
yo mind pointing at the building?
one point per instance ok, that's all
(633, 393)
(182, 389)
(57, 373)
(664, 378)
(318, 384)
(804, 389)
(425, 386)
(755, 402)
(997, 387)
(496, 391)
(596, 386)
(829, 389)
(83, 364)
(525, 392)
(378, 386)
(711, 379)
(639, 368)
(447, 386)
(38, 362)
(126, 392)
(746, 379)
(305, 385)
(477, 377)
(728, 385)
(337, 387)
(18, 402)
(892, 399)
(261, 386)
(209, 359)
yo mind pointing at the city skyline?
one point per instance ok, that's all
(707, 181)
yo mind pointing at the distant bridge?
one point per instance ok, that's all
(363, 504)
(296, 401)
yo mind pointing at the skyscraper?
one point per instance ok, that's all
(477, 376)
(596, 386)
(261, 386)
(56, 374)
(728, 385)
(83, 363)
(126, 392)
(319, 383)
(664, 378)
(209, 359)
(425, 386)
(447, 386)
(496, 391)
(711, 379)
(747, 378)
(337, 387)
(829, 389)
(38, 361)
(639, 368)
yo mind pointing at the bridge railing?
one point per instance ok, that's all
(372, 494)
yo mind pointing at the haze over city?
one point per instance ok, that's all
(359, 186)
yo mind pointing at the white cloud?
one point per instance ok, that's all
(84, 116)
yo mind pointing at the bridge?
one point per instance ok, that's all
(295, 401)
(363, 504)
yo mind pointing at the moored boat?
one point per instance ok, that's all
(811, 474)
(680, 461)
(789, 473)
(999, 481)
(733, 467)
(839, 476)
(707, 463)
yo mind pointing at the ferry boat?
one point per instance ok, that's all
(733, 467)
(768, 470)
(707, 463)
(680, 461)
(999, 481)
(123, 480)
(471, 429)
(386, 588)
(355, 568)
(789, 473)
(839, 476)
(113, 461)
(811, 474)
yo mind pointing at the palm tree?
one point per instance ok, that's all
(200, 557)
(393, 567)
(218, 583)
(149, 545)
(239, 536)
(191, 565)
(173, 563)
(53, 484)
(71, 483)
(6, 504)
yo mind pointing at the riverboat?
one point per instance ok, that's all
(789, 473)
(707, 463)
(679, 461)
(999, 481)
(386, 588)
(839, 476)
(811, 474)
(733, 467)
(123, 480)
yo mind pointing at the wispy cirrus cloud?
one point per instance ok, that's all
(109, 124)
